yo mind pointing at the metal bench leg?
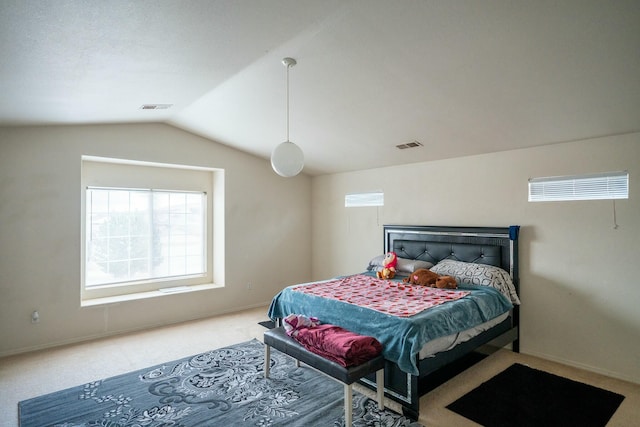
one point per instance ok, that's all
(380, 388)
(348, 403)
(267, 360)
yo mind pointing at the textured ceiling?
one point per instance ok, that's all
(461, 77)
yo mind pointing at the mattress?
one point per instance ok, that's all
(403, 338)
(448, 342)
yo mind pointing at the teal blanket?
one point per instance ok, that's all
(401, 337)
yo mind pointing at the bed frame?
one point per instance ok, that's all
(486, 245)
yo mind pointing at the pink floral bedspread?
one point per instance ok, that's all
(386, 296)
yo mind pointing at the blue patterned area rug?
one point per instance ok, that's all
(224, 387)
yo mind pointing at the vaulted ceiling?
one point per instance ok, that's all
(460, 77)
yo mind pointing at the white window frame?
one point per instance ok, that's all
(600, 186)
(119, 173)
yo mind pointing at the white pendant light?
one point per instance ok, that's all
(287, 159)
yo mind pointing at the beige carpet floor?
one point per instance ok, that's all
(29, 375)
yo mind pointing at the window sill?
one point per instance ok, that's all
(92, 302)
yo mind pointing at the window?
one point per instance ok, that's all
(149, 229)
(138, 234)
(364, 199)
(609, 185)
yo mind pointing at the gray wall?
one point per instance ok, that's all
(580, 277)
(267, 232)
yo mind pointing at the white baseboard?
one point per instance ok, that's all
(78, 340)
(595, 369)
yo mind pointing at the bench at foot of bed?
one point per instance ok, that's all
(278, 339)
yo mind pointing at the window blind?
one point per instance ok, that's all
(364, 199)
(608, 185)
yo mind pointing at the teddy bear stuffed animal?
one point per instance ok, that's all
(422, 277)
(446, 282)
(425, 277)
(389, 263)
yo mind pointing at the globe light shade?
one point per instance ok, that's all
(287, 159)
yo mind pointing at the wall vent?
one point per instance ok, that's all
(412, 144)
(155, 106)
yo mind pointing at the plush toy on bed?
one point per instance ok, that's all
(425, 277)
(422, 277)
(388, 266)
(446, 282)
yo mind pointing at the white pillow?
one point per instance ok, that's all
(479, 274)
(404, 265)
(376, 263)
(410, 265)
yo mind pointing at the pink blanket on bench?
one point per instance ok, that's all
(339, 345)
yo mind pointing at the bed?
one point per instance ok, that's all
(418, 343)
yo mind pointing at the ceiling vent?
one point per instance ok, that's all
(412, 144)
(155, 106)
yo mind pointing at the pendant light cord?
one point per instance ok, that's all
(288, 66)
(288, 62)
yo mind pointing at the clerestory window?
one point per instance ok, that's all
(609, 185)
